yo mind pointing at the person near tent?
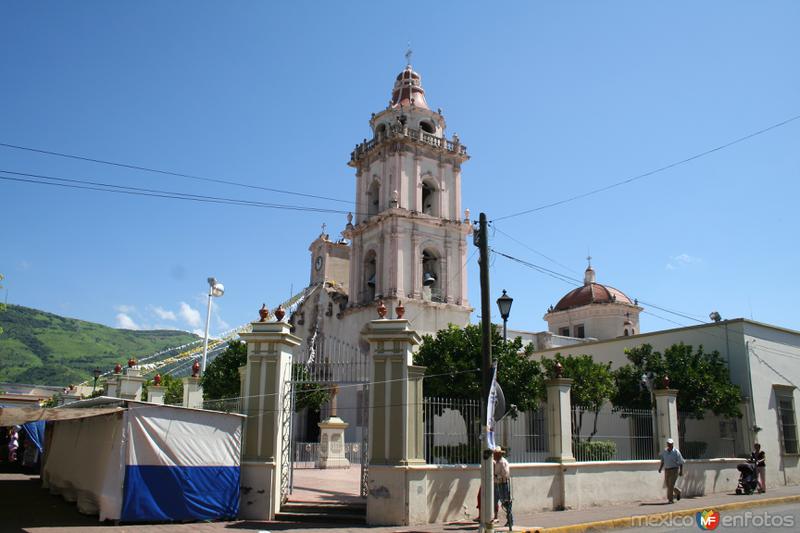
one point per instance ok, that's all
(13, 444)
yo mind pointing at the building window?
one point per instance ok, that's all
(564, 332)
(427, 127)
(580, 332)
(784, 397)
(625, 333)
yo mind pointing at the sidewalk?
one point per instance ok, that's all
(24, 506)
(619, 515)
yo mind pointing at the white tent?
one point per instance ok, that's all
(145, 462)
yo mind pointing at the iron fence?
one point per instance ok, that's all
(524, 437)
(612, 434)
(228, 405)
(306, 454)
(452, 431)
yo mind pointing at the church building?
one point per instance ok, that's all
(404, 245)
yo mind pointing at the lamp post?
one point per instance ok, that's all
(96, 373)
(504, 304)
(215, 290)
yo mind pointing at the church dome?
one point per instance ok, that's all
(408, 89)
(591, 293)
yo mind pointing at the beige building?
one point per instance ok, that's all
(762, 360)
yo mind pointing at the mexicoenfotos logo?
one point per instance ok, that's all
(707, 520)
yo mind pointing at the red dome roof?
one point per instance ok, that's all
(591, 293)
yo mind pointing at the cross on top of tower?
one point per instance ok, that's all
(408, 54)
(589, 259)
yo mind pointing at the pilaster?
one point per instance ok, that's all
(395, 421)
(559, 425)
(666, 415)
(192, 393)
(155, 394)
(269, 364)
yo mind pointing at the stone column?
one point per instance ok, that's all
(666, 416)
(155, 394)
(130, 384)
(559, 420)
(112, 386)
(397, 495)
(192, 393)
(269, 366)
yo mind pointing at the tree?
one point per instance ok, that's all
(593, 385)
(452, 361)
(221, 378)
(701, 378)
(308, 394)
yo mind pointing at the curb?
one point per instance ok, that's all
(637, 520)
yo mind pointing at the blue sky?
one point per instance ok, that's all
(553, 99)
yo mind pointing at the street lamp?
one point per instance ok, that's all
(97, 372)
(215, 290)
(504, 304)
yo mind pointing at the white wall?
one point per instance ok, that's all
(452, 491)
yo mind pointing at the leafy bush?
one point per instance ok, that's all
(599, 450)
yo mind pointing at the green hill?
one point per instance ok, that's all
(46, 349)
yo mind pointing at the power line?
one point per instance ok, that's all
(569, 280)
(537, 252)
(651, 172)
(171, 173)
(157, 193)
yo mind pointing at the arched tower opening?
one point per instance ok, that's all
(431, 276)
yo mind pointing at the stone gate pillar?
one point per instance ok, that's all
(397, 494)
(559, 420)
(666, 416)
(269, 365)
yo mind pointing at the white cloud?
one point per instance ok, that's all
(682, 260)
(124, 321)
(123, 308)
(189, 314)
(163, 314)
(199, 332)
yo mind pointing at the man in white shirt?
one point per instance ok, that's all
(672, 464)
(502, 486)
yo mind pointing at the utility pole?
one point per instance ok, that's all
(487, 466)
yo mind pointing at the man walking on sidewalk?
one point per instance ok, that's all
(672, 463)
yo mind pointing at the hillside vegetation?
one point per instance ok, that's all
(42, 348)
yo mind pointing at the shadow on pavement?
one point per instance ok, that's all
(24, 503)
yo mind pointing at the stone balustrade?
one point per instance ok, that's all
(408, 133)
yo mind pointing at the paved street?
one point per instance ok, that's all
(774, 519)
(25, 506)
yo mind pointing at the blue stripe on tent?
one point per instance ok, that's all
(163, 493)
(35, 432)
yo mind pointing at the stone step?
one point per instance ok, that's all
(323, 512)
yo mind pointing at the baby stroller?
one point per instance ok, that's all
(748, 478)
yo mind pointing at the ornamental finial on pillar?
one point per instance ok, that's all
(381, 309)
(196, 368)
(263, 313)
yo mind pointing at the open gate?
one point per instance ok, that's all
(328, 362)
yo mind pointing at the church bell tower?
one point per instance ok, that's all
(409, 237)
